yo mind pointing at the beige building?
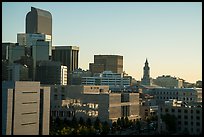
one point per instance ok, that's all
(168, 82)
(91, 102)
(25, 108)
(188, 116)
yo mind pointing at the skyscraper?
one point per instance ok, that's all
(39, 21)
(67, 55)
(146, 75)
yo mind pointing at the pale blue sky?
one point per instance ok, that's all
(168, 34)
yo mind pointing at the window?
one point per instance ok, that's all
(55, 97)
(191, 117)
(63, 89)
(197, 123)
(197, 111)
(197, 117)
(191, 123)
(185, 122)
(179, 116)
(191, 111)
(63, 97)
(179, 122)
(166, 110)
(185, 111)
(179, 110)
(172, 110)
(185, 117)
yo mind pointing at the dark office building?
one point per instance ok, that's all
(112, 63)
(67, 55)
(39, 21)
(49, 72)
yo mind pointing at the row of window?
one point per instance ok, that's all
(173, 93)
(62, 113)
(185, 99)
(179, 110)
(186, 123)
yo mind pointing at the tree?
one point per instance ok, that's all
(74, 122)
(88, 123)
(97, 124)
(170, 121)
(105, 128)
(81, 121)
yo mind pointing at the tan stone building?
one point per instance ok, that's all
(91, 102)
(102, 63)
(25, 108)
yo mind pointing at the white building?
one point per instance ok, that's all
(64, 75)
(113, 80)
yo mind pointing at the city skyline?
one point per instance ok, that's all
(167, 34)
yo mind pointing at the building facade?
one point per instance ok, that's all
(28, 40)
(102, 63)
(115, 81)
(39, 21)
(25, 108)
(168, 82)
(51, 72)
(92, 101)
(188, 117)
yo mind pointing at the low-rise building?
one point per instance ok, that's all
(90, 101)
(188, 117)
(115, 81)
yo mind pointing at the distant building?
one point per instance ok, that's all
(115, 81)
(25, 108)
(68, 56)
(92, 101)
(188, 117)
(102, 63)
(146, 75)
(168, 82)
(163, 94)
(4, 70)
(18, 72)
(39, 21)
(39, 53)
(199, 84)
(12, 52)
(28, 40)
(50, 72)
(76, 76)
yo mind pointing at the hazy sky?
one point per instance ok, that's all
(169, 35)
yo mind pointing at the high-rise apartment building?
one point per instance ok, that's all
(25, 108)
(102, 63)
